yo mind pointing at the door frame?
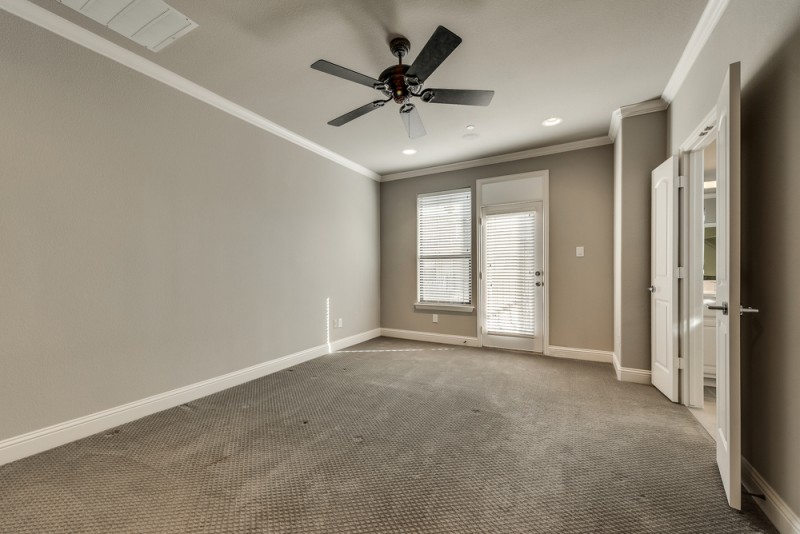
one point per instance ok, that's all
(691, 292)
(544, 197)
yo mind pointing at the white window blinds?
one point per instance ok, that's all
(510, 267)
(444, 247)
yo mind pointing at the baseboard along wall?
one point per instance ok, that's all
(628, 374)
(37, 441)
(587, 355)
(430, 337)
(775, 508)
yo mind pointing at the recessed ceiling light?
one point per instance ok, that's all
(410, 151)
(470, 126)
(552, 121)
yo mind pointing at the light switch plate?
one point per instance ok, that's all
(579, 252)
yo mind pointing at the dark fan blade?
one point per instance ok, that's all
(356, 113)
(412, 120)
(436, 50)
(464, 97)
(341, 72)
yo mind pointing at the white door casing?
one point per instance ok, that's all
(728, 427)
(664, 284)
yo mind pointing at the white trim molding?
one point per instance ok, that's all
(441, 306)
(18, 447)
(431, 337)
(503, 158)
(774, 507)
(629, 374)
(83, 37)
(648, 106)
(587, 355)
(705, 27)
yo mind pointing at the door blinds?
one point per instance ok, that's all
(510, 280)
(444, 223)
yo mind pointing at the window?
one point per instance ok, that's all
(510, 271)
(444, 250)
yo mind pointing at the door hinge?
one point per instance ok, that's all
(680, 272)
(680, 182)
(681, 363)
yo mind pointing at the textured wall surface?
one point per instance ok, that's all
(642, 148)
(150, 241)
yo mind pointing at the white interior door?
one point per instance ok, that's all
(664, 286)
(728, 435)
(512, 276)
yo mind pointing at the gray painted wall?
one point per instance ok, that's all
(581, 212)
(150, 241)
(770, 240)
(641, 146)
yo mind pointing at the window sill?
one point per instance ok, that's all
(434, 306)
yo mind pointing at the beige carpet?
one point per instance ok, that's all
(391, 436)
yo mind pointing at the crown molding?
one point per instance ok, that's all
(503, 158)
(642, 108)
(616, 123)
(83, 37)
(705, 26)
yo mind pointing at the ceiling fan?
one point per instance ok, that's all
(402, 82)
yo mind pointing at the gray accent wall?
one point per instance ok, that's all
(641, 146)
(581, 214)
(770, 57)
(149, 241)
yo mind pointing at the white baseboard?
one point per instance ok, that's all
(628, 374)
(588, 355)
(431, 337)
(355, 340)
(37, 441)
(775, 508)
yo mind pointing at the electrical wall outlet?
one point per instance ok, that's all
(579, 252)
(435, 317)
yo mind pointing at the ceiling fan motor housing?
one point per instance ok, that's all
(394, 78)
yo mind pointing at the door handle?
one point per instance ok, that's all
(652, 289)
(720, 307)
(747, 309)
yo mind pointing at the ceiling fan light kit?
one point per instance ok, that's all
(403, 82)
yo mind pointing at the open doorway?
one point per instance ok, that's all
(706, 409)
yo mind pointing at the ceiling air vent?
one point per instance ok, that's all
(150, 23)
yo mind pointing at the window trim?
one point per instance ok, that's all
(449, 306)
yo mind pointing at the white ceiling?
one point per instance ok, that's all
(576, 59)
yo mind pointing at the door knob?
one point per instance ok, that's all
(720, 307)
(652, 289)
(539, 284)
(747, 309)
(538, 273)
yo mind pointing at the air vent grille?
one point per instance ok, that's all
(150, 23)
